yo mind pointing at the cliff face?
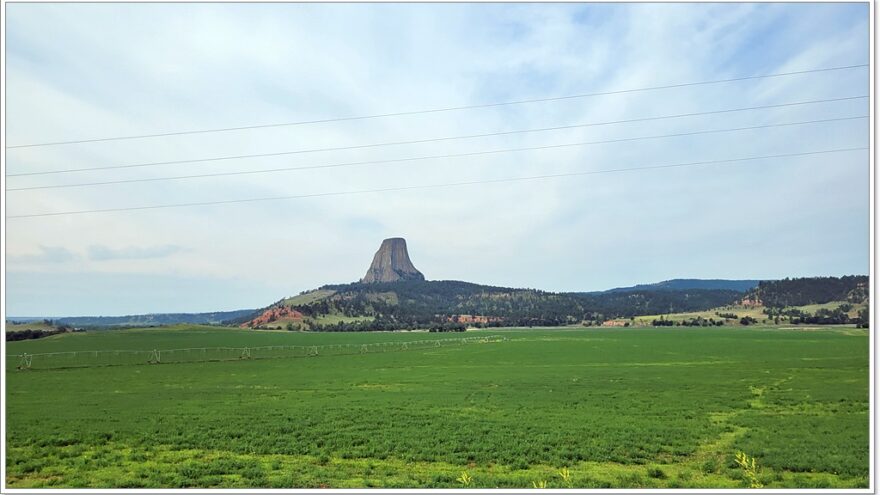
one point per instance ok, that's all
(391, 263)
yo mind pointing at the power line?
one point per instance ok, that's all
(434, 186)
(431, 140)
(436, 110)
(428, 157)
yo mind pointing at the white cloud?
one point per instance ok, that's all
(92, 70)
(46, 255)
(105, 253)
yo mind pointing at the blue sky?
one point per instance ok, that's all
(79, 71)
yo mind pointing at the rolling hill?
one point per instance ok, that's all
(692, 283)
(394, 295)
(813, 290)
(155, 319)
(449, 304)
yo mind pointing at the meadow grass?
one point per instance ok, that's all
(740, 311)
(756, 312)
(812, 308)
(308, 297)
(612, 407)
(31, 325)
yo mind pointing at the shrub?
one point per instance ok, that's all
(656, 473)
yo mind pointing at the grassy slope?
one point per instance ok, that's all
(812, 308)
(635, 407)
(709, 313)
(34, 325)
(308, 297)
(756, 313)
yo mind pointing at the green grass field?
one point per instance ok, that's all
(616, 407)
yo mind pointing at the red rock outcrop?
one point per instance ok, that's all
(273, 314)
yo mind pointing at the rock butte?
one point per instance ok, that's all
(392, 264)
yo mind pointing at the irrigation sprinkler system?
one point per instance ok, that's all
(83, 359)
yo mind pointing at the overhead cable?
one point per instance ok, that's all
(438, 139)
(437, 110)
(421, 158)
(434, 186)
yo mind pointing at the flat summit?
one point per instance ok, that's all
(391, 263)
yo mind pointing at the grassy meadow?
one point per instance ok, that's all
(555, 408)
(756, 312)
(31, 325)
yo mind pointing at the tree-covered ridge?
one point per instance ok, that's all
(440, 305)
(647, 302)
(420, 302)
(811, 290)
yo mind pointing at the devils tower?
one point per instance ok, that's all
(392, 264)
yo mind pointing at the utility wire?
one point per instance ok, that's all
(428, 157)
(434, 186)
(432, 140)
(437, 110)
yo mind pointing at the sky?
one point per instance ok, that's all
(88, 71)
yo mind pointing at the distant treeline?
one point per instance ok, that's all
(30, 334)
(699, 321)
(386, 325)
(147, 320)
(822, 316)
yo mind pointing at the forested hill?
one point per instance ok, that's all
(658, 301)
(812, 290)
(408, 304)
(427, 299)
